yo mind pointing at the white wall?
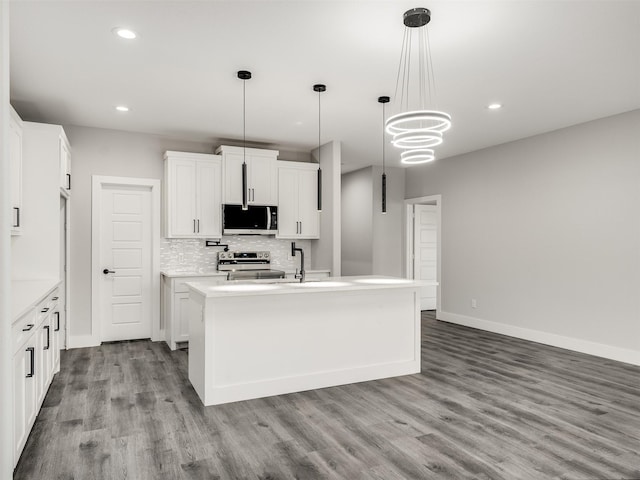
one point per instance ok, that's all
(372, 242)
(357, 222)
(105, 152)
(545, 233)
(388, 228)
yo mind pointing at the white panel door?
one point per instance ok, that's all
(308, 203)
(425, 252)
(209, 199)
(125, 256)
(288, 222)
(183, 197)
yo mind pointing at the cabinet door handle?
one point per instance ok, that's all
(68, 181)
(55, 298)
(44, 310)
(48, 338)
(28, 327)
(57, 329)
(32, 358)
(198, 225)
(194, 225)
(300, 228)
(17, 209)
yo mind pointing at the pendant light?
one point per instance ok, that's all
(244, 75)
(416, 131)
(319, 88)
(383, 100)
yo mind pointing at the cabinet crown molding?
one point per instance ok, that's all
(189, 155)
(250, 151)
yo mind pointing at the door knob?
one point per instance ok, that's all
(106, 270)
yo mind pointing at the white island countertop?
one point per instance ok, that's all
(286, 286)
(251, 340)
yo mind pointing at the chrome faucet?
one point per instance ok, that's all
(293, 254)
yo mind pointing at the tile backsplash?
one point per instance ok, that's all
(190, 253)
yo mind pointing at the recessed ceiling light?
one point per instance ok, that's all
(494, 106)
(125, 33)
(122, 108)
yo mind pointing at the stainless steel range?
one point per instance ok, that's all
(247, 265)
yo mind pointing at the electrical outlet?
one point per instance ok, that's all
(181, 257)
(474, 303)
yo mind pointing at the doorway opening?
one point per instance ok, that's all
(423, 248)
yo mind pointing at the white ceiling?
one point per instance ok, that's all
(551, 63)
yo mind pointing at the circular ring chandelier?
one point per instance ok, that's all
(417, 155)
(416, 130)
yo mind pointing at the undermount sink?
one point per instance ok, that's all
(383, 281)
(319, 284)
(245, 287)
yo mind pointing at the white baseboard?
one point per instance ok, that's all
(82, 341)
(569, 343)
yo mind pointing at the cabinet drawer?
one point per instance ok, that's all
(180, 287)
(22, 329)
(46, 306)
(53, 299)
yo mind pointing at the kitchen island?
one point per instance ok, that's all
(252, 340)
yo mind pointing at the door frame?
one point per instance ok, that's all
(67, 273)
(408, 233)
(98, 182)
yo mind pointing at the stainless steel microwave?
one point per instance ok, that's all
(255, 220)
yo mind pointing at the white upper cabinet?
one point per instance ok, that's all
(192, 195)
(15, 166)
(298, 216)
(65, 164)
(262, 179)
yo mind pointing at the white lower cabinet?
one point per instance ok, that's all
(25, 379)
(36, 358)
(175, 306)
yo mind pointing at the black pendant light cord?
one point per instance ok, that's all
(244, 75)
(319, 88)
(319, 125)
(383, 144)
(244, 121)
(384, 100)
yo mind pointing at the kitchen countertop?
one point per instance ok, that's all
(25, 294)
(178, 273)
(286, 286)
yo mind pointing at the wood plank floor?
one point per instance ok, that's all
(485, 406)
